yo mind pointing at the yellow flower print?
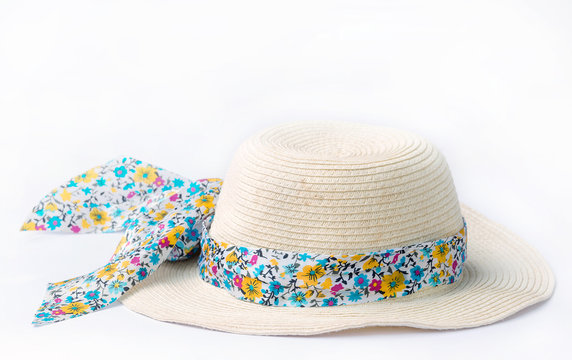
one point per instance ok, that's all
(145, 174)
(175, 234)
(327, 284)
(120, 245)
(206, 250)
(311, 274)
(370, 264)
(63, 282)
(117, 286)
(251, 288)
(86, 176)
(440, 252)
(392, 284)
(51, 207)
(75, 308)
(160, 215)
(66, 195)
(298, 297)
(98, 216)
(85, 224)
(206, 201)
(29, 226)
(107, 271)
(231, 258)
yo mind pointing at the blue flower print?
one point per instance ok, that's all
(154, 259)
(297, 298)
(330, 302)
(434, 280)
(142, 273)
(291, 269)
(258, 270)
(416, 273)
(116, 286)
(90, 295)
(120, 171)
(355, 296)
(193, 188)
(304, 257)
(54, 222)
(276, 287)
(361, 281)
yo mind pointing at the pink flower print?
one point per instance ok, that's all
(161, 226)
(75, 229)
(336, 288)
(136, 261)
(237, 281)
(164, 242)
(174, 197)
(58, 312)
(454, 265)
(41, 227)
(214, 269)
(375, 285)
(253, 260)
(57, 300)
(131, 194)
(159, 181)
(395, 258)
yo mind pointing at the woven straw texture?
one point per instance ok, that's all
(330, 187)
(327, 187)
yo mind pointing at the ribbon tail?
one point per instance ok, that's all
(166, 228)
(105, 198)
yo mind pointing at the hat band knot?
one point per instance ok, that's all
(285, 278)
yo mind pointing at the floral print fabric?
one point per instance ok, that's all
(160, 211)
(284, 278)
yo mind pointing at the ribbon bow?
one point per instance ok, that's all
(162, 214)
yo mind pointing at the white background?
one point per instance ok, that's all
(181, 83)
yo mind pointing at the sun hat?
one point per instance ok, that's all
(318, 227)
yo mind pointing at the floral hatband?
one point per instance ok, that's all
(284, 278)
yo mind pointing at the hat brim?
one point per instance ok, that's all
(502, 275)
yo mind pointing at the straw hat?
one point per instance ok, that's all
(344, 188)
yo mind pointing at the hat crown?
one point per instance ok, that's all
(336, 187)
